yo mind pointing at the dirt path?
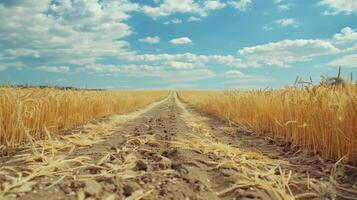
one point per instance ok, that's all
(172, 151)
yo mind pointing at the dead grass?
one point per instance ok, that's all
(54, 157)
(253, 170)
(29, 113)
(320, 118)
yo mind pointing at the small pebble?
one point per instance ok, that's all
(127, 190)
(92, 187)
(141, 165)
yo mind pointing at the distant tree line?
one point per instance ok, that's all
(24, 86)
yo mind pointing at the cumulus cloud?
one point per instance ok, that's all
(249, 82)
(241, 5)
(200, 8)
(176, 21)
(173, 21)
(284, 7)
(169, 7)
(56, 35)
(286, 52)
(54, 69)
(22, 52)
(180, 65)
(138, 70)
(197, 60)
(235, 74)
(181, 40)
(151, 40)
(187, 75)
(193, 19)
(287, 22)
(180, 21)
(11, 64)
(134, 70)
(238, 80)
(213, 5)
(345, 61)
(64, 32)
(352, 49)
(267, 28)
(347, 34)
(339, 6)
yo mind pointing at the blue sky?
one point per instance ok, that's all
(175, 44)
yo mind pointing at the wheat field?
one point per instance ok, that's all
(320, 118)
(29, 113)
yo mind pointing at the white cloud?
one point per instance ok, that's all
(238, 80)
(197, 60)
(137, 70)
(345, 61)
(235, 74)
(181, 40)
(287, 22)
(267, 28)
(286, 52)
(228, 60)
(22, 52)
(193, 19)
(213, 5)
(180, 65)
(151, 40)
(173, 21)
(54, 69)
(82, 32)
(339, 6)
(249, 83)
(169, 7)
(284, 7)
(352, 49)
(181, 86)
(241, 5)
(167, 75)
(347, 34)
(200, 8)
(109, 70)
(176, 21)
(68, 32)
(15, 65)
(187, 75)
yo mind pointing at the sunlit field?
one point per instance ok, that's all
(178, 99)
(30, 113)
(319, 118)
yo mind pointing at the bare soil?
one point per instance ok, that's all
(169, 172)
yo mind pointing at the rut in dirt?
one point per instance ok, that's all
(178, 153)
(181, 180)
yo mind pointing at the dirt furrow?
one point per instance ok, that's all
(166, 172)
